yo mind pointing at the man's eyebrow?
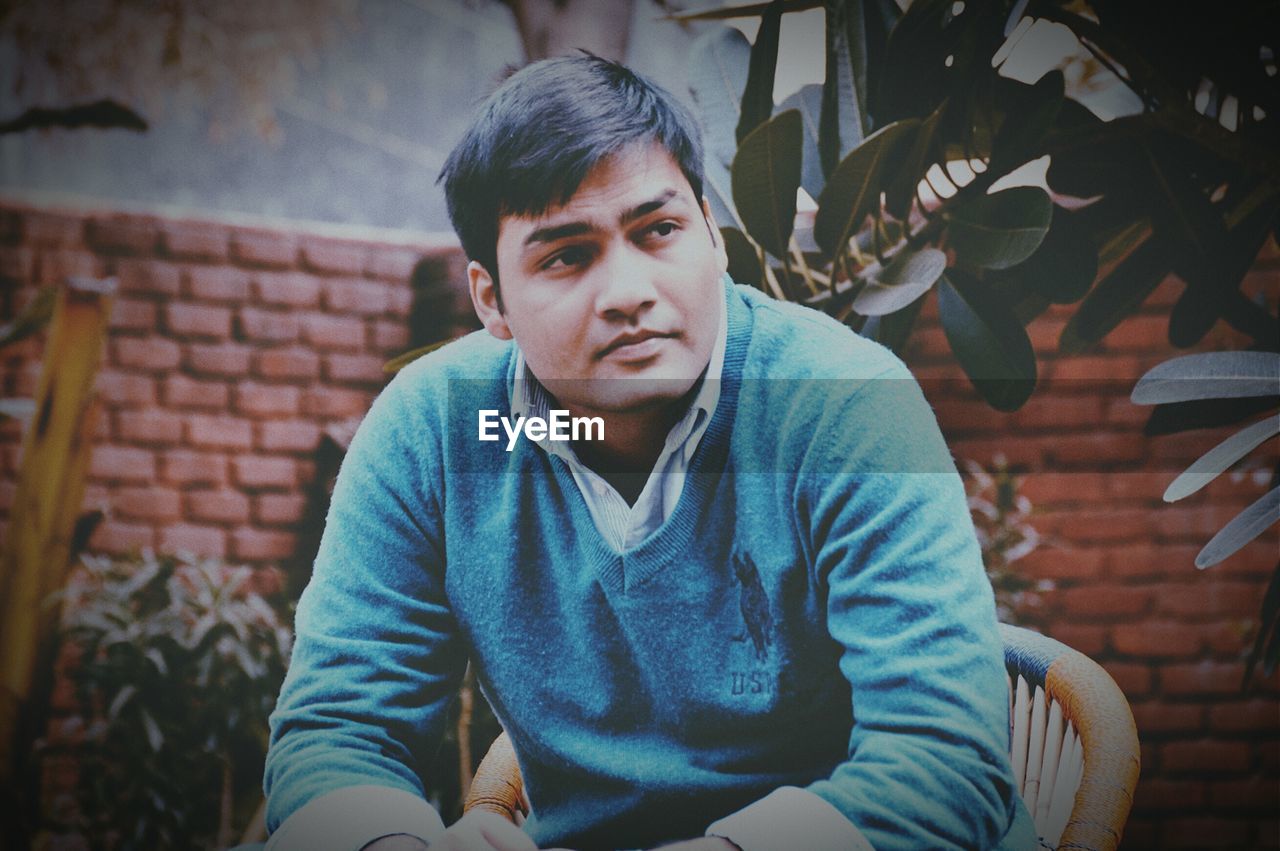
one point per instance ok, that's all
(642, 210)
(551, 233)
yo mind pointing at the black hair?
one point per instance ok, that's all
(535, 139)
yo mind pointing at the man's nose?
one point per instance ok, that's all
(625, 286)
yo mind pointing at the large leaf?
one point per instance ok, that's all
(746, 10)
(1210, 375)
(717, 186)
(1266, 646)
(717, 77)
(1209, 465)
(843, 95)
(757, 96)
(33, 317)
(894, 329)
(854, 190)
(808, 102)
(906, 277)
(1063, 268)
(988, 340)
(1116, 296)
(744, 262)
(920, 156)
(1242, 529)
(1183, 216)
(1029, 116)
(999, 230)
(766, 175)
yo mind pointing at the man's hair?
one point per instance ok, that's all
(537, 136)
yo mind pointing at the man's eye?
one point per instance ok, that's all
(566, 258)
(664, 229)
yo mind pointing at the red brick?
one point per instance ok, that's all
(1059, 413)
(133, 314)
(288, 436)
(1127, 415)
(1022, 453)
(151, 426)
(1105, 601)
(125, 388)
(1089, 639)
(279, 509)
(1163, 716)
(1097, 451)
(1148, 560)
(17, 264)
(267, 326)
(392, 264)
(1088, 373)
(183, 467)
(1138, 485)
(365, 369)
(198, 540)
(335, 403)
(122, 463)
(1202, 678)
(389, 337)
(1134, 679)
(289, 289)
(1209, 599)
(219, 432)
(218, 506)
(149, 353)
(1167, 294)
(400, 300)
(1143, 333)
(1162, 795)
(260, 400)
(122, 234)
(119, 538)
(183, 392)
(333, 332)
(1260, 794)
(198, 320)
(355, 295)
(218, 283)
(230, 360)
(264, 248)
(1245, 716)
(290, 363)
(325, 255)
(1052, 488)
(1205, 757)
(51, 229)
(265, 471)
(956, 416)
(1230, 638)
(153, 503)
(148, 276)
(7, 491)
(1199, 523)
(262, 544)
(195, 241)
(1057, 562)
(55, 265)
(267, 581)
(1156, 639)
(1097, 525)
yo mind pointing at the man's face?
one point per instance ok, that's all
(621, 282)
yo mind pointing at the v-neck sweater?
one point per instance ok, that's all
(813, 613)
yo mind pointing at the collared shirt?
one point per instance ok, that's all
(624, 526)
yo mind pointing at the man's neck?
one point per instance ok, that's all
(632, 443)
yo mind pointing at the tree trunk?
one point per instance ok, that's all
(559, 27)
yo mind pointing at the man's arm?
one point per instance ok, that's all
(377, 659)
(911, 607)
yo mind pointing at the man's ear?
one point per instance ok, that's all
(717, 238)
(484, 298)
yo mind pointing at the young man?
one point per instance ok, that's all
(749, 611)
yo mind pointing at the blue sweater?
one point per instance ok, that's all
(814, 612)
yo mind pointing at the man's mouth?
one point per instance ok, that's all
(635, 345)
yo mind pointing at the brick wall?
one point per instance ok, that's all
(234, 346)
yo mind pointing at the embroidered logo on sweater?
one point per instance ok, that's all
(753, 604)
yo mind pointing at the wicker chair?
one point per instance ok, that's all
(1074, 748)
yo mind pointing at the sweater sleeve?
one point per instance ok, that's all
(377, 658)
(911, 609)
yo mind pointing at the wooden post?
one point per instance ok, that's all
(35, 556)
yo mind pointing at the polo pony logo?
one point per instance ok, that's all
(753, 604)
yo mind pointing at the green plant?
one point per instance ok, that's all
(1188, 183)
(1250, 380)
(1002, 519)
(179, 666)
